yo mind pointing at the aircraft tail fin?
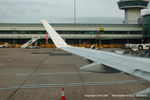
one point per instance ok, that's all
(58, 41)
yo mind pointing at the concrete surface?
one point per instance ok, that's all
(39, 74)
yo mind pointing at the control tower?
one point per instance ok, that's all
(132, 9)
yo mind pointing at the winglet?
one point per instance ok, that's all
(58, 41)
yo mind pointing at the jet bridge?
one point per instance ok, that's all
(34, 39)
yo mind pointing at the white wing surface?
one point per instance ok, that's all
(137, 66)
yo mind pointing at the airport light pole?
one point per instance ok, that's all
(74, 11)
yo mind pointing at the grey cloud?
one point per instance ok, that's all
(58, 10)
(24, 2)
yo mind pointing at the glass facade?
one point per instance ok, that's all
(132, 3)
(74, 32)
(147, 26)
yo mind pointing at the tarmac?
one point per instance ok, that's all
(40, 74)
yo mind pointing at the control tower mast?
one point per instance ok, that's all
(132, 9)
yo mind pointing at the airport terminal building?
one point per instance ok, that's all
(131, 31)
(19, 33)
(116, 33)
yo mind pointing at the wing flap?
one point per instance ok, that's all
(94, 67)
(98, 67)
(144, 94)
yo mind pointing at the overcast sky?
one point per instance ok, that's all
(60, 11)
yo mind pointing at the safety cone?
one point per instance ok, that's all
(63, 95)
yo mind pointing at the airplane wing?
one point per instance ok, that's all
(137, 66)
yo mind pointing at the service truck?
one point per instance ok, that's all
(138, 46)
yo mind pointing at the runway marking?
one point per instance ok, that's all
(53, 73)
(73, 84)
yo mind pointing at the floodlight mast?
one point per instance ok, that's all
(74, 11)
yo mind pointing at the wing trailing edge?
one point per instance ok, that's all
(132, 65)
